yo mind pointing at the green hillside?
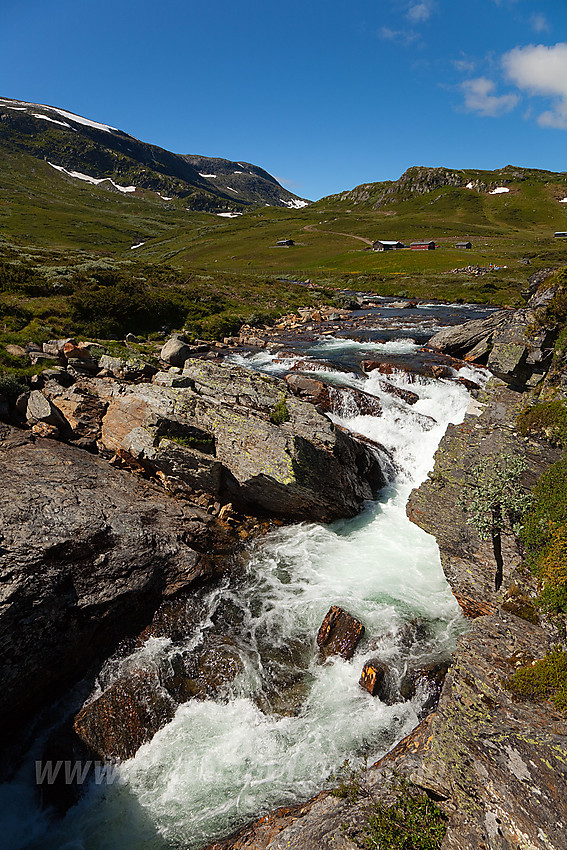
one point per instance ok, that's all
(102, 260)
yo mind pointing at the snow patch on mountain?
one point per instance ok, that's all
(500, 190)
(206, 175)
(295, 204)
(53, 120)
(94, 180)
(229, 215)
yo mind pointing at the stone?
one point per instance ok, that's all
(176, 351)
(460, 339)
(339, 634)
(429, 678)
(129, 370)
(376, 678)
(125, 716)
(63, 605)
(40, 409)
(42, 429)
(16, 350)
(171, 379)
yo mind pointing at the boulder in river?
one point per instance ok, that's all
(339, 634)
(376, 678)
(87, 552)
(125, 716)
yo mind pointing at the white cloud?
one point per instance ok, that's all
(541, 70)
(464, 65)
(480, 97)
(419, 12)
(539, 22)
(404, 37)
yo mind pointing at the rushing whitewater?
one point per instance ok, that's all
(219, 763)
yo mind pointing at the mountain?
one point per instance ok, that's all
(83, 150)
(422, 180)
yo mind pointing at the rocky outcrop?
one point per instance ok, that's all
(241, 436)
(461, 340)
(86, 554)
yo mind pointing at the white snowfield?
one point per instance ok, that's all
(295, 204)
(78, 119)
(563, 201)
(232, 190)
(470, 185)
(229, 215)
(94, 180)
(500, 190)
(139, 245)
(53, 121)
(164, 198)
(206, 175)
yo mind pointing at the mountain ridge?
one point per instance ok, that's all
(94, 151)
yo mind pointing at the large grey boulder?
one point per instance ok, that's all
(175, 351)
(87, 552)
(276, 452)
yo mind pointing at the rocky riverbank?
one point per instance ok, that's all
(495, 763)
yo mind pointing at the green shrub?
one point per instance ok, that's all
(545, 679)
(279, 413)
(494, 495)
(545, 534)
(11, 387)
(548, 418)
(412, 822)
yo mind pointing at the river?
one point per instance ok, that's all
(284, 726)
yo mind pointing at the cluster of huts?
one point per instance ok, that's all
(393, 245)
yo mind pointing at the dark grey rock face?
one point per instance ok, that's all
(87, 552)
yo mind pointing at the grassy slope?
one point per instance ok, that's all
(63, 225)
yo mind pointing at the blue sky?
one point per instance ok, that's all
(324, 95)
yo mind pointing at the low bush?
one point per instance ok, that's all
(547, 418)
(545, 679)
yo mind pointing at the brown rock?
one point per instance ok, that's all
(376, 678)
(43, 429)
(339, 634)
(16, 350)
(125, 716)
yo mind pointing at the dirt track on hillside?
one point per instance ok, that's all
(314, 228)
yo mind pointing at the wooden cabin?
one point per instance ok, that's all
(463, 245)
(387, 245)
(423, 246)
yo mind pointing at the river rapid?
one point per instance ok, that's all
(285, 725)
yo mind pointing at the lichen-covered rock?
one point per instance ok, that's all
(297, 465)
(339, 634)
